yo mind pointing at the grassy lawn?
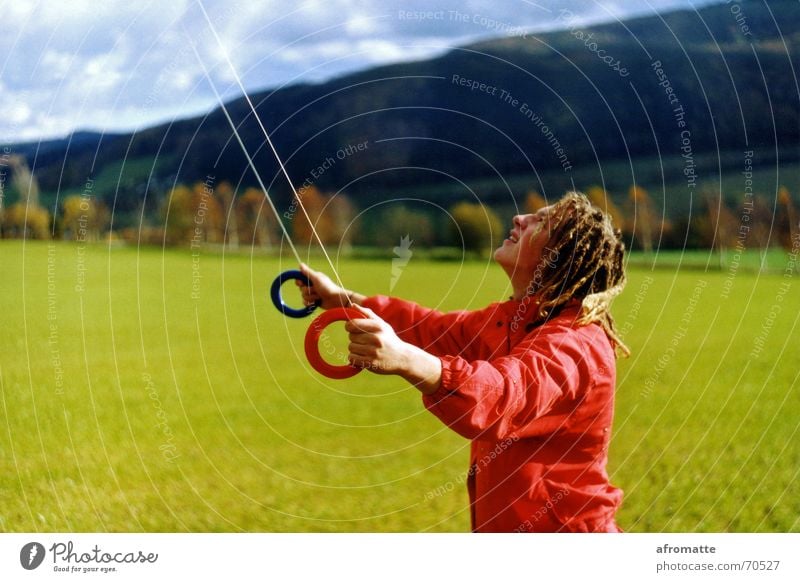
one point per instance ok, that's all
(150, 390)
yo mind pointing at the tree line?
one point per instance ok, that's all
(209, 213)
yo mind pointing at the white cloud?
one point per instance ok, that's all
(18, 113)
(116, 64)
(55, 64)
(383, 51)
(99, 75)
(16, 14)
(364, 24)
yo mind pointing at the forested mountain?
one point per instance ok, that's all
(706, 85)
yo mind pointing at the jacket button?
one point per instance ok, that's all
(499, 324)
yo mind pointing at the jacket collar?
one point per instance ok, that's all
(522, 311)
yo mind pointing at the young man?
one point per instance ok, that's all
(530, 381)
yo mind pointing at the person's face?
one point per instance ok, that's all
(522, 251)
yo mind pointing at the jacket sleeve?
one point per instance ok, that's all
(505, 397)
(435, 332)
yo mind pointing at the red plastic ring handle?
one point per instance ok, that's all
(312, 342)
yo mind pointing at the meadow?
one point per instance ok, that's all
(160, 390)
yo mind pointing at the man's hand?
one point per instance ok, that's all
(374, 345)
(325, 290)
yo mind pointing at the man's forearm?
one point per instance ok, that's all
(422, 370)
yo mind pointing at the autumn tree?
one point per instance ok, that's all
(342, 212)
(256, 222)
(2, 202)
(208, 216)
(476, 227)
(322, 219)
(27, 221)
(26, 218)
(192, 215)
(103, 217)
(82, 218)
(600, 198)
(643, 220)
(227, 198)
(786, 221)
(178, 215)
(533, 202)
(761, 223)
(398, 221)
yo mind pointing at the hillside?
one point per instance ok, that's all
(551, 111)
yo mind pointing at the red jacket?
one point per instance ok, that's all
(537, 404)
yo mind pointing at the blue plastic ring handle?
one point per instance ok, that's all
(275, 292)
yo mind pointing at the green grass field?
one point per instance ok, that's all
(160, 391)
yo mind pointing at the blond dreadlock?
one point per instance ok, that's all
(588, 265)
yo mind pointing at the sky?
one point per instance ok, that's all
(114, 65)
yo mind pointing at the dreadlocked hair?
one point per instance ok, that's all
(583, 260)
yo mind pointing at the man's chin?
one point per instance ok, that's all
(500, 258)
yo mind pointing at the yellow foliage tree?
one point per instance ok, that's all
(643, 220)
(316, 205)
(256, 222)
(208, 214)
(397, 222)
(342, 213)
(227, 198)
(601, 198)
(178, 213)
(760, 235)
(476, 228)
(80, 218)
(27, 221)
(786, 221)
(533, 202)
(721, 229)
